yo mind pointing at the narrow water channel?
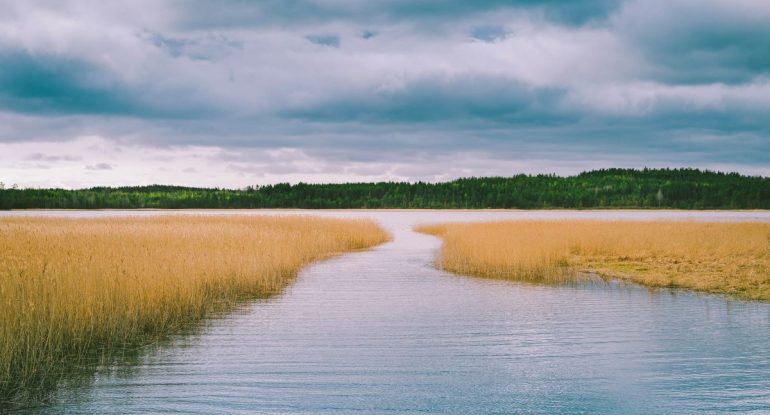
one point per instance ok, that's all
(382, 331)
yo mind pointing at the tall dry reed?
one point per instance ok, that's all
(726, 258)
(70, 287)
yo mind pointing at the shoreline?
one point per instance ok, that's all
(724, 258)
(384, 210)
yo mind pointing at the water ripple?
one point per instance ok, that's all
(384, 332)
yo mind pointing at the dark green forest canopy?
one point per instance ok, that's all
(606, 188)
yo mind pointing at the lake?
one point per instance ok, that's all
(383, 331)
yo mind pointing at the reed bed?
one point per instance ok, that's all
(72, 287)
(724, 258)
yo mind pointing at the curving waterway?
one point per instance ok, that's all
(382, 331)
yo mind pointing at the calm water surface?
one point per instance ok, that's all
(382, 331)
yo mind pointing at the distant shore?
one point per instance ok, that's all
(686, 189)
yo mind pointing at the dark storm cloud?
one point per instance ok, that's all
(244, 13)
(570, 12)
(324, 40)
(48, 83)
(690, 43)
(430, 99)
(53, 84)
(60, 84)
(489, 33)
(391, 81)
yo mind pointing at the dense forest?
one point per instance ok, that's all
(608, 188)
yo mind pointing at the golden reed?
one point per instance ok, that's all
(71, 287)
(724, 258)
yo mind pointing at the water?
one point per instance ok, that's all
(382, 331)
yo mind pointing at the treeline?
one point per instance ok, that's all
(607, 188)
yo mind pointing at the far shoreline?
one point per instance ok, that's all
(635, 209)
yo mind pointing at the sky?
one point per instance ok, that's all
(230, 93)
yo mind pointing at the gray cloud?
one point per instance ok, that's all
(489, 33)
(99, 166)
(342, 88)
(241, 13)
(209, 47)
(699, 42)
(40, 83)
(49, 83)
(431, 99)
(50, 158)
(324, 40)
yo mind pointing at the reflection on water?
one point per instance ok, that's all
(383, 331)
(79, 372)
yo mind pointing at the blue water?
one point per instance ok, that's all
(382, 332)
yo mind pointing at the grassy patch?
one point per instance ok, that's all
(72, 287)
(725, 258)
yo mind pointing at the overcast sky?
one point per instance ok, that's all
(231, 93)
